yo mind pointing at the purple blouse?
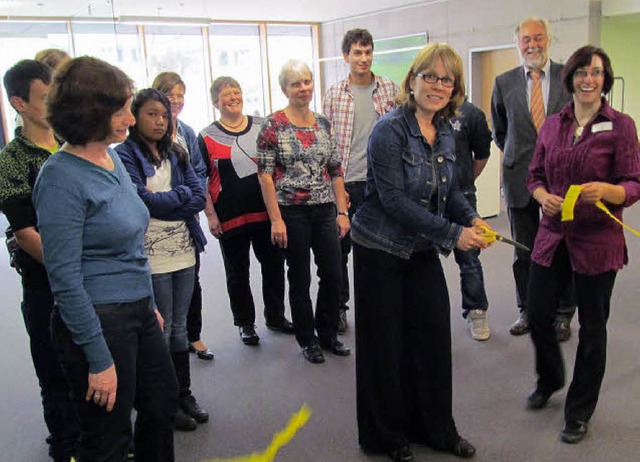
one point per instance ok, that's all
(607, 151)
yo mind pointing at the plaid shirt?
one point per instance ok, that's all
(339, 108)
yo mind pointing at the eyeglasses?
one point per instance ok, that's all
(433, 79)
(582, 74)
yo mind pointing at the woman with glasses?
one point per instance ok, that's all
(236, 212)
(591, 145)
(174, 88)
(410, 214)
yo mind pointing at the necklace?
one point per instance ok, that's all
(232, 126)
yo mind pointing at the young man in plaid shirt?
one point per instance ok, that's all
(353, 106)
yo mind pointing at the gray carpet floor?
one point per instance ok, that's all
(251, 392)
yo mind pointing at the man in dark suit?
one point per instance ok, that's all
(521, 99)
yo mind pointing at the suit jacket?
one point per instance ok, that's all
(513, 129)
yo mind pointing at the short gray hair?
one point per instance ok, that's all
(543, 21)
(221, 83)
(291, 69)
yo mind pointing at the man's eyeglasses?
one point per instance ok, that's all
(582, 73)
(433, 79)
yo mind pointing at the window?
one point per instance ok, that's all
(117, 44)
(285, 42)
(22, 40)
(235, 52)
(181, 49)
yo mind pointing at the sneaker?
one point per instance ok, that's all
(478, 325)
(342, 320)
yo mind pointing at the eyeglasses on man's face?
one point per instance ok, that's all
(433, 79)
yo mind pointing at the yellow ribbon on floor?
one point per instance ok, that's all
(569, 204)
(280, 439)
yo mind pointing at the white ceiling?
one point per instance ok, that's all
(241, 10)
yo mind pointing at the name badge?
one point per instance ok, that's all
(602, 127)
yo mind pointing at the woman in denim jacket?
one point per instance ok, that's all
(403, 332)
(166, 183)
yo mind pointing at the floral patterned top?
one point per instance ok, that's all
(302, 160)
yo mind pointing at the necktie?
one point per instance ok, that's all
(537, 104)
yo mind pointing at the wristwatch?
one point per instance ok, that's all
(345, 213)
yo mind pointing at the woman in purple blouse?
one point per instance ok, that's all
(589, 144)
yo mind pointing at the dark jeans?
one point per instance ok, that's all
(594, 295)
(313, 227)
(355, 189)
(235, 254)
(474, 295)
(59, 411)
(403, 351)
(194, 316)
(146, 380)
(524, 223)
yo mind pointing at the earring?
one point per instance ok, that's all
(412, 92)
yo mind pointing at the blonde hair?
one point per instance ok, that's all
(165, 81)
(424, 60)
(52, 57)
(291, 69)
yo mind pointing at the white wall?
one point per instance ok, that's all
(466, 24)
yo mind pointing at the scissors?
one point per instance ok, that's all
(493, 236)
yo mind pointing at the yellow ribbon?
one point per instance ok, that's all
(280, 439)
(569, 204)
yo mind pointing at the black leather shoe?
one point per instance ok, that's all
(537, 400)
(205, 354)
(342, 320)
(401, 454)
(248, 335)
(183, 422)
(463, 449)
(335, 346)
(563, 329)
(193, 409)
(285, 326)
(313, 353)
(521, 326)
(574, 432)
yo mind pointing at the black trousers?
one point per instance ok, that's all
(524, 223)
(313, 227)
(355, 189)
(593, 296)
(403, 351)
(59, 411)
(235, 254)
(194, 316)
(146, 380)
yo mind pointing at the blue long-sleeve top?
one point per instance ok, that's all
(195, 154)
(92, 225)
(185, 200)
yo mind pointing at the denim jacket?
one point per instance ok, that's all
(403, 174)
(183, 202)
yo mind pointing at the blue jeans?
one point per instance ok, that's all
(474, 296)
(173, 293)
(59, 411)
(313, 227)
(146, 381)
